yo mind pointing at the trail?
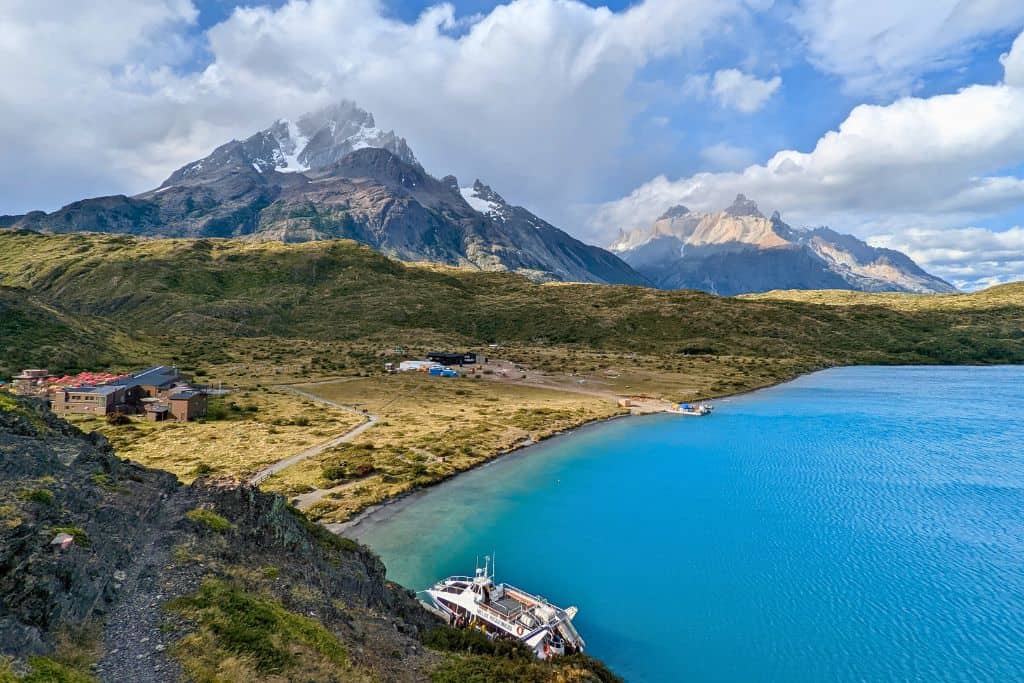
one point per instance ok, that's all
(370, 421)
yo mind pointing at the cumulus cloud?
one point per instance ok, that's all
(499, 95)
(881, 47)
(741, 91)
(918, 161)
(1013, 63)
(71, 79)
(970, 258)
(732, 89)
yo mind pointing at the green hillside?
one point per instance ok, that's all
(338, 291)
(35, 334)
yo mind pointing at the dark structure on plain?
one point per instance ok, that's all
(445, 358)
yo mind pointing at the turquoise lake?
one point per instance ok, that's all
(855, 524)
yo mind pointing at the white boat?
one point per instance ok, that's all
(696, 409)
(504, 611)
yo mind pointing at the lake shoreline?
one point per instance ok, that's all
(385, 510)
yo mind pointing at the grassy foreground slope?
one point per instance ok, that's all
(169, 290)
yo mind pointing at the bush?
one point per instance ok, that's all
(337, 472)
(41, 496)
(118, 419)
(201, 470)
(364, 470)
(471, 641)
(210, 519)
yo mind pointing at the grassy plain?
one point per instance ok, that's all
(250, 429)
(430, 428)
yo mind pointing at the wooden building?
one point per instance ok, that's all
(187, 405)
(101, 400)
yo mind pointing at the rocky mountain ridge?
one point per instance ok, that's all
(334, 174)
(740, 250)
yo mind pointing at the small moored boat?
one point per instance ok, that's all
(504, 611)
(696, 409)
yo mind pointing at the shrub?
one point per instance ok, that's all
(364, 470)
(210, 519)
(118, 419)
(201, 470)
(336, 472)
(41, 496)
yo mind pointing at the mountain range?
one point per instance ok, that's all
(740, 250)
(335, 174)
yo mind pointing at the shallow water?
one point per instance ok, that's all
(855, 524)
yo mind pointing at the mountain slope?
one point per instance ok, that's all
(224, 290)
(335, 174)
(739, 250)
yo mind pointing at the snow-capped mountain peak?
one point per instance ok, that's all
(313, 141)
(485, 200)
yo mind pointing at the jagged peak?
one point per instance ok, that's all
(677, 211)
(742, 206)
(485, 192)
(485, 200)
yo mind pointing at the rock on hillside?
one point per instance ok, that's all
(739, 250)
(335, 174)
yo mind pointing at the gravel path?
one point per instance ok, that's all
(371, 420)
(134, 643)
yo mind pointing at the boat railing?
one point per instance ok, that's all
(524, 596)
(505, 621)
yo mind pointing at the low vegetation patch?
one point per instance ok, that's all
(325, 537)
(41, 496)
(210, 519)
(241, 636)
(42, 670)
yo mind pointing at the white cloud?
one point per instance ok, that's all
(970, 258)
(71, 84)
(1013, 63)
(741, 91)
(883, 47)
(930, 162)
(732, 89)
(723, 156)
(534, 97)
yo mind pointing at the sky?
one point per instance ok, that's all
(899, 121)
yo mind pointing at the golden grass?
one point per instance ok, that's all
(994, 297)
(237, 447)
(430, 428)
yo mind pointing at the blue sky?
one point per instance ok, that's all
(895, 120)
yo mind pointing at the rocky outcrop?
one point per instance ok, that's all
(739, 250)
(334, 174)
(134, 548)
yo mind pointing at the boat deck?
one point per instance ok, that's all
(507, 606)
